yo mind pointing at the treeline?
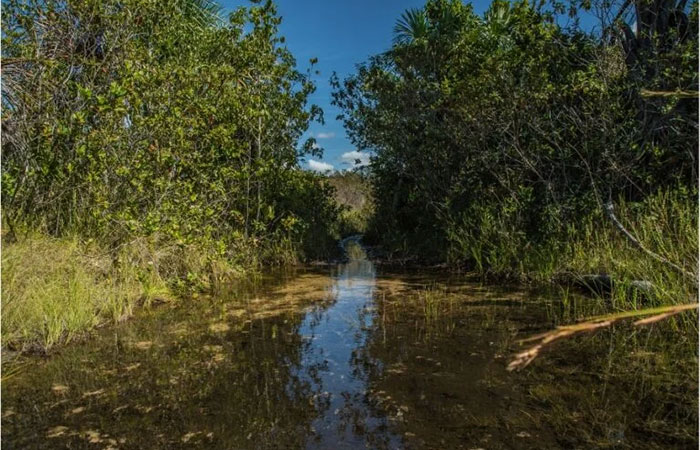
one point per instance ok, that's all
(152, 145)
(353, 194)
(500, 138)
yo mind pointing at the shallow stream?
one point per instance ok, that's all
(333, 358)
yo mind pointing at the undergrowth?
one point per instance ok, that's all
(665, 223)
(55, 290)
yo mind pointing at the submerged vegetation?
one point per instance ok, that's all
(624, 386)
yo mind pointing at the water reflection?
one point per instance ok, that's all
(335, 335)
(217, 375)
(347, 359)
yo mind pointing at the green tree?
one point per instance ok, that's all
(499, 133)
(134, 118)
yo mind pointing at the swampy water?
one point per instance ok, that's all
(349, 356)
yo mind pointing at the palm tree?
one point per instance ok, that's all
(411, 27)
(499, 17)
(201, 12)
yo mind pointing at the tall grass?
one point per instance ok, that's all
(54, 290)
(665, 223)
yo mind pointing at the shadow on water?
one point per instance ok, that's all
(346, 358)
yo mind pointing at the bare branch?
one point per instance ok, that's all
(610, 211)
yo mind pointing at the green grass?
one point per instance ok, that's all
(431, 302)
(55, 290)
(436, 308)
(52, 291)
(666, 224)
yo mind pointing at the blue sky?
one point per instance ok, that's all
(340, 34)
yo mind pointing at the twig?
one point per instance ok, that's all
(610, 211)
(680, 94)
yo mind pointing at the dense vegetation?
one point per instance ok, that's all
(151, 146)
(151, 151)
(499, 139)
(516, 147)
(154, 148)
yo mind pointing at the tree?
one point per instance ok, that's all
(130, 118)
(498, 133)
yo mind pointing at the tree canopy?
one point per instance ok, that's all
(134, 117)
(497, 133)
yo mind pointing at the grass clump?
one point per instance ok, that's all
(432, 302)
(54, 290)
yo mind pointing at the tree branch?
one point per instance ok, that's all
(610, 212)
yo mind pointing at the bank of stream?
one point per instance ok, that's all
(350, 356)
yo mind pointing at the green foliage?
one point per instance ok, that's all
(163, 133)
(128, 119)
(352, 192)
(498, 138)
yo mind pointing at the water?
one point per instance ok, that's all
(330, 359)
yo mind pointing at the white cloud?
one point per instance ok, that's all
(354, 156)
(319, 166)
(325, 135)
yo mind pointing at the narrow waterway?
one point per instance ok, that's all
(328, 359)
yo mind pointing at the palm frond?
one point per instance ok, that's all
(410, 27)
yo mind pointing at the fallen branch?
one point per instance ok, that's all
(522, 359)
(679, 93)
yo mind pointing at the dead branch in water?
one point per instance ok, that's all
(522, 359)
(678, 93)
